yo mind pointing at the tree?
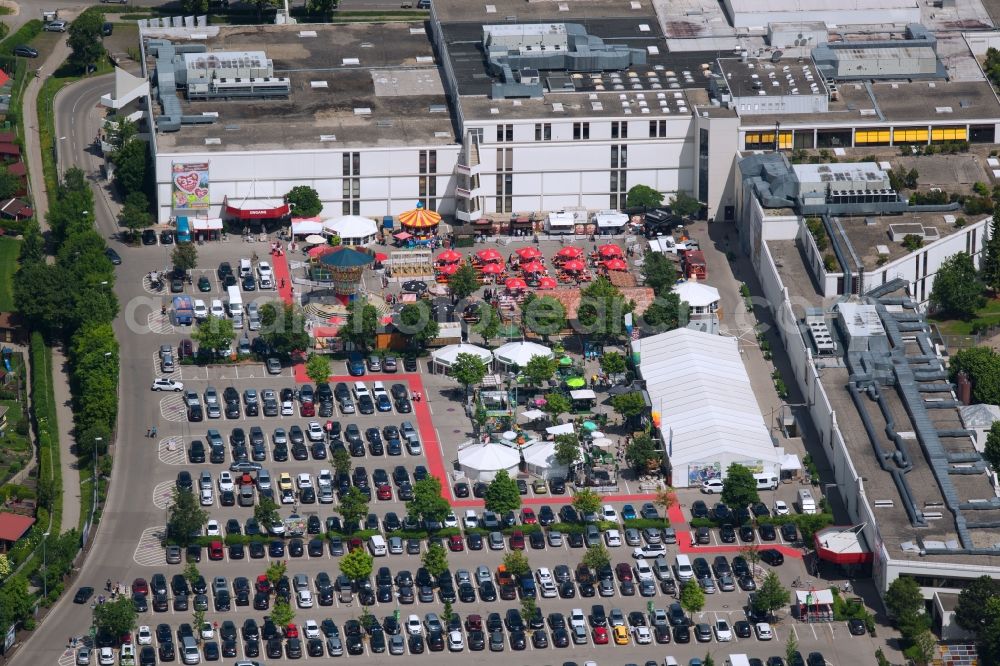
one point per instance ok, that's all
(771, 595)
(791, 647)
(132, 166)
(957, 290)
(15, 602)
(85, 41)
(41, 297)
(5, 567)
(739, 487)
(428, 502)
(464, 282)
(341, 461)
(602, 310)
(135, 214)
(502, 494)
(989, 264)
(922, 648)
(752, 556)
(318, 368)
(708, 661)
(539, 370)
(692, 597)
(10, 184)
(185, 518)
(321, 7)
(357, 564)
(543, 315)
(32, 245)
(185, 256)
(261, 5)
(276, 571)
(490, 323)
(991, 451)
(684, 204)
(214, 333)
(643, 455)
(613, 363)
(304, 201)
(361, 325)
(516, 563)
(596, 557)
(194, 7)
(468, 370)
(115, 617)
(586, 501)
(282, 612)
(567, 449)
(283, 328)
(666, 499)
(528, 608)
(971, 609)
(353, 507)
(198, 619)
(629, 405)
(191, 573)
(556, 404)
(905, 603)
(659, 272)
(643, 196)
(435, 559)
(416, 321)
(664, 314)
(988, 637)
(982, 365)
(265, 512)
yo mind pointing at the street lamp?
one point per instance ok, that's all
(45, 566)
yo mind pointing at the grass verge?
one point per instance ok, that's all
(9, 249)
(24, 35)
(985, 317)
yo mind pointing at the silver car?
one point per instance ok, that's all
(397, 644)
(555, 539)
(606, 587)
(632, 537)
(334, 647)
(496, 541)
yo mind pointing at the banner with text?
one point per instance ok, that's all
(190, 186)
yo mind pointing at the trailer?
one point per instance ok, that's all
(693, 264)
(183, 310)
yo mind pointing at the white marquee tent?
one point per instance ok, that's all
(520, 353)
(541, 460)
(443, 358)
(352, 229)
(700, 296)
(709, 415)
(481, 463)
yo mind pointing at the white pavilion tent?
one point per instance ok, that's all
(701, 297)
(482, 462)
(443, 358)
(540, 458)
(352, 229)
(520, 353)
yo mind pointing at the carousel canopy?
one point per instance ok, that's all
(419, 218)
(345, 257)
(446, 355)
(352, 226)
(519, 353)
(696, 294)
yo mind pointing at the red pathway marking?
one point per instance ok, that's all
(282, 276)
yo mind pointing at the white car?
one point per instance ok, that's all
(780, 508)
(106, 657)
(414, 626)
(200, 309)
(455, 642)
(144, 636)
(287, 408)
(642, 635)
(266, 275)
(608, 513)
(643, 571)
(207, 631)
(324, 476)
(304, 598)
(207, 498)
(167, 384)
(311, 629)
(712, 486)
(451, 520)
(315, 432)
(723, 633)
(471, 519)
(544, 575)
(613, 538)
(226, 481)
(577, 618)
(304, 480)
(548, 589)
(217, 309)
(763, 631)
(212, 528)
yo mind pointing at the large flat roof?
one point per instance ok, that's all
(772, 77)
(384, 100)
(519, 11)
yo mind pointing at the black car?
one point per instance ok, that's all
(772, 556)
(767, 532)
(149, 237)
(166, 651)
(557, 486)
(274, 648)
(857, 627)
(789, 533)
(568, 514)
(546, 516)
(25, 51)
(83, 595)
(699, 509)
(474, 541)
(682, 634)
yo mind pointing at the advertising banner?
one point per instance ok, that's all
(190, 186)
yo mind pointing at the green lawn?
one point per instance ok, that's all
(9, 248)
(988, 315)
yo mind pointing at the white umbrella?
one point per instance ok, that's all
(603, 443)
(315, 239)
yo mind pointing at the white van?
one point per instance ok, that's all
(376, 544)
(766, 481)
(246, 268)
(669, 661)
(737, 660)
(806, 502)
(684, 570)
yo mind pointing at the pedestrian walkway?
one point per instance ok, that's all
(67, 452)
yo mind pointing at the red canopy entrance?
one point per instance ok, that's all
(256, 209)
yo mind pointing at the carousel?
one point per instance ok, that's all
(420, 224)
(341, 267)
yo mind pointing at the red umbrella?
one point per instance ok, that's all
(533, 267)
(610, 251)
(379, 256)
(574, 265)
(447, 269)
(514, 284)
(547, 283)
(449, 257)
(570, 252)
(489, 255)
(528, 253)
(616, 265)
(492, 269)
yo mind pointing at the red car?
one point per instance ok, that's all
(139, 586)
(307, 409)
(474, 622)
(291, 631)
(528, 517)
(455, 543)
(354, 543)
(600, 635)
(263, 584)
(517, 540)
(384, 492)
(215, 550)
(624, 571)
